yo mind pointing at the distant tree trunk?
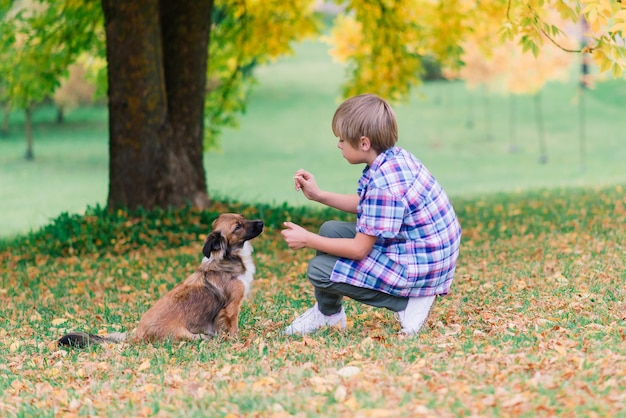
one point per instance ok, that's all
(512, 125)
(60, 115)
(30, 155)
(585, 78)
(543, 148)
(469, 123)
(585, 83)
(157, 55)
(6, 110)
(582, 130)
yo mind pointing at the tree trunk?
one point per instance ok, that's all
(5, 120)
(60, 115)
(512, 126)
(582, 127)
(157, 58)
(28, 125)
(186, 27)
(543, 148)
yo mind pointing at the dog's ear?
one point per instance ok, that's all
(215, 241)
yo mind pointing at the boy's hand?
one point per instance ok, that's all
(305, 182)
(294, 235)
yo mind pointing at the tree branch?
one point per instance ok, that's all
(508, 18)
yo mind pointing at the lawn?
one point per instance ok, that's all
(464, 137)
(535, 324)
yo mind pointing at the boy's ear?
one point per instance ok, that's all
(365, 143)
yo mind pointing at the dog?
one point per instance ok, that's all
(207, 302)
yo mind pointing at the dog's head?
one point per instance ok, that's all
(230, 232)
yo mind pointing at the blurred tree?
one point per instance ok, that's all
(179, 70)
(78, 89)
(385, 42)
(38, 41)
(5, 33)
(165, 103)
(506, 69)
(157, 53)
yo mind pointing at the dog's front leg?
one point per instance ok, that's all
(234, 321)
(228, 318)
(233, 308)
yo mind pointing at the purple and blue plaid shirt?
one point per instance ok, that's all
(418, 233)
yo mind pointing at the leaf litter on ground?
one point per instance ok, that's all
(535, 324)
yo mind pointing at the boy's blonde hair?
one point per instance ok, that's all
(366, 115)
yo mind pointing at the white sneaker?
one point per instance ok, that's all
(415, 314)
(314, 319)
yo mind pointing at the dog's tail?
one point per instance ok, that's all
(83, 339)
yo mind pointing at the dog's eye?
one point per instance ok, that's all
(237, 227)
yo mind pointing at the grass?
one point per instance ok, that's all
(287, 126)
(534, 325)
(68, 174)
(434, 125)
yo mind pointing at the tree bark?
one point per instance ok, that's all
(157, 55)
(186, 27)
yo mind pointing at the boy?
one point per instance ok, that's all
(402, 250)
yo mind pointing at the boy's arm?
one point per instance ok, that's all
(356, 248)
(345, 202)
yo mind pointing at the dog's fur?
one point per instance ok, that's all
(208, 301)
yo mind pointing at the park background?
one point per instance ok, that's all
(534, 326)
(474, 140)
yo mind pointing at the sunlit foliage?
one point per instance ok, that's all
(38, 43)
(245, 34)
(384, 43)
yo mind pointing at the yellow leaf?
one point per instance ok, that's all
(143, 366)
(319, 384)
(618, 27)
(617, 71)
(601, 60)
(352, 404)
(266, 381)
(149, 388)
(58, 321)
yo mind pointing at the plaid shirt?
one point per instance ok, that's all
(418, 233)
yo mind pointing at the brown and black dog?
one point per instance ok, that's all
(208, 301)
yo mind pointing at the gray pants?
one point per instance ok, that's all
(330, 294)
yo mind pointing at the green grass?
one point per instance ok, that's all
(68, 174)
(534, 324)
(287, 126)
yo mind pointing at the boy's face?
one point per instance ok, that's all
(355, 155)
